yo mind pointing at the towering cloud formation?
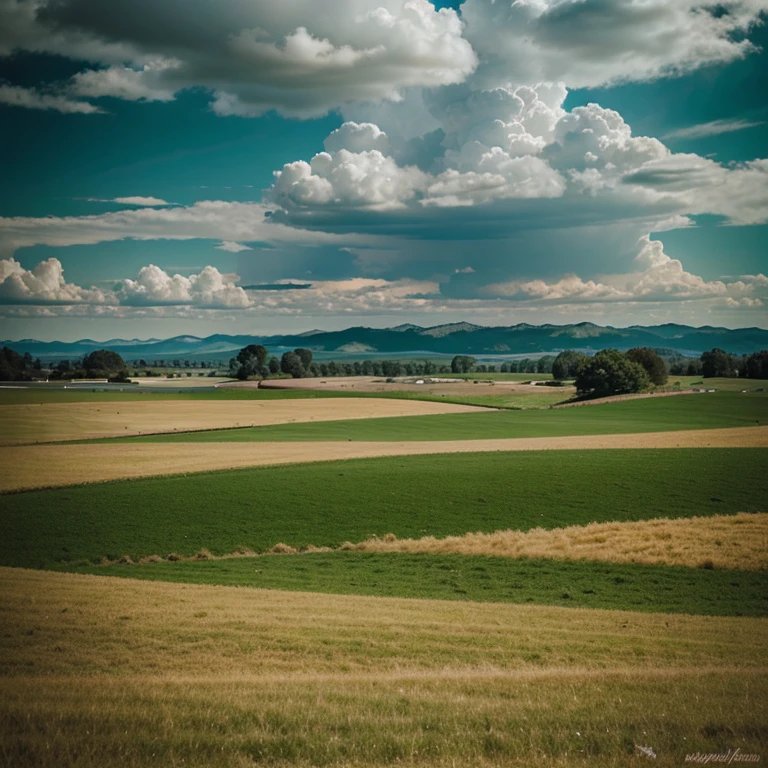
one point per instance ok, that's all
(503, 144)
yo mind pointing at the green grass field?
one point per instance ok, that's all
(699, 411)
(325, 504)
(726, 385)
(479, 579)
(537, 399)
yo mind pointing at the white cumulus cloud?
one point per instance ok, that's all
(44, 284)
(209, 289)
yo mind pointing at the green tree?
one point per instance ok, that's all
(103, 362)
(652, 362)
(567, 364)
(252, 361)
(12, 365)
(462, 364)
(717, 362)
(756, 365)
(305, 355)
(291, 364)
(273, 365)
(608, 373)
(544, 364)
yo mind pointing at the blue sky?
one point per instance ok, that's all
(497, 162)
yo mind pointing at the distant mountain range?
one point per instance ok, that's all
(408, 339)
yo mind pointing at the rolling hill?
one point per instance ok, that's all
(454, 338)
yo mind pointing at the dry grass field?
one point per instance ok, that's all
(436, 387)
(106, 672)
(52, 422)
(731, 542)
(737, 542)
(44, 466)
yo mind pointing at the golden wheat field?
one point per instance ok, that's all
(51, 422)
(100, 671)
(43, 466)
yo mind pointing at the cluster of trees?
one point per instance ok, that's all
(611, 372)
(716, 362)
(254, 360)
(464, 364)
(142, 363)
(719, 363)
(16, 367)
(100, 364)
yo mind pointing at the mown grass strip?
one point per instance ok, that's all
(698, 411)
(664, 589)
(326, 504)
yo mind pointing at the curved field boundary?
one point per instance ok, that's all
(622, 398)
(738, 542)
(58, 422)
(731, 542)
(45, 466)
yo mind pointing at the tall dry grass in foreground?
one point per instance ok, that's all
(99, 671)
(726, 541)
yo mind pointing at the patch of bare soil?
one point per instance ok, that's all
(41, 466)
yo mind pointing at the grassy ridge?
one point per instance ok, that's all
(586, 584)
(326, 504)
(707, 411)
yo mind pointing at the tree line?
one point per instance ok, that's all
(607, 371)
(99, 364)
(612, 372)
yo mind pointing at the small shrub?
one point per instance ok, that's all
(243, 552)
(283, 549)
